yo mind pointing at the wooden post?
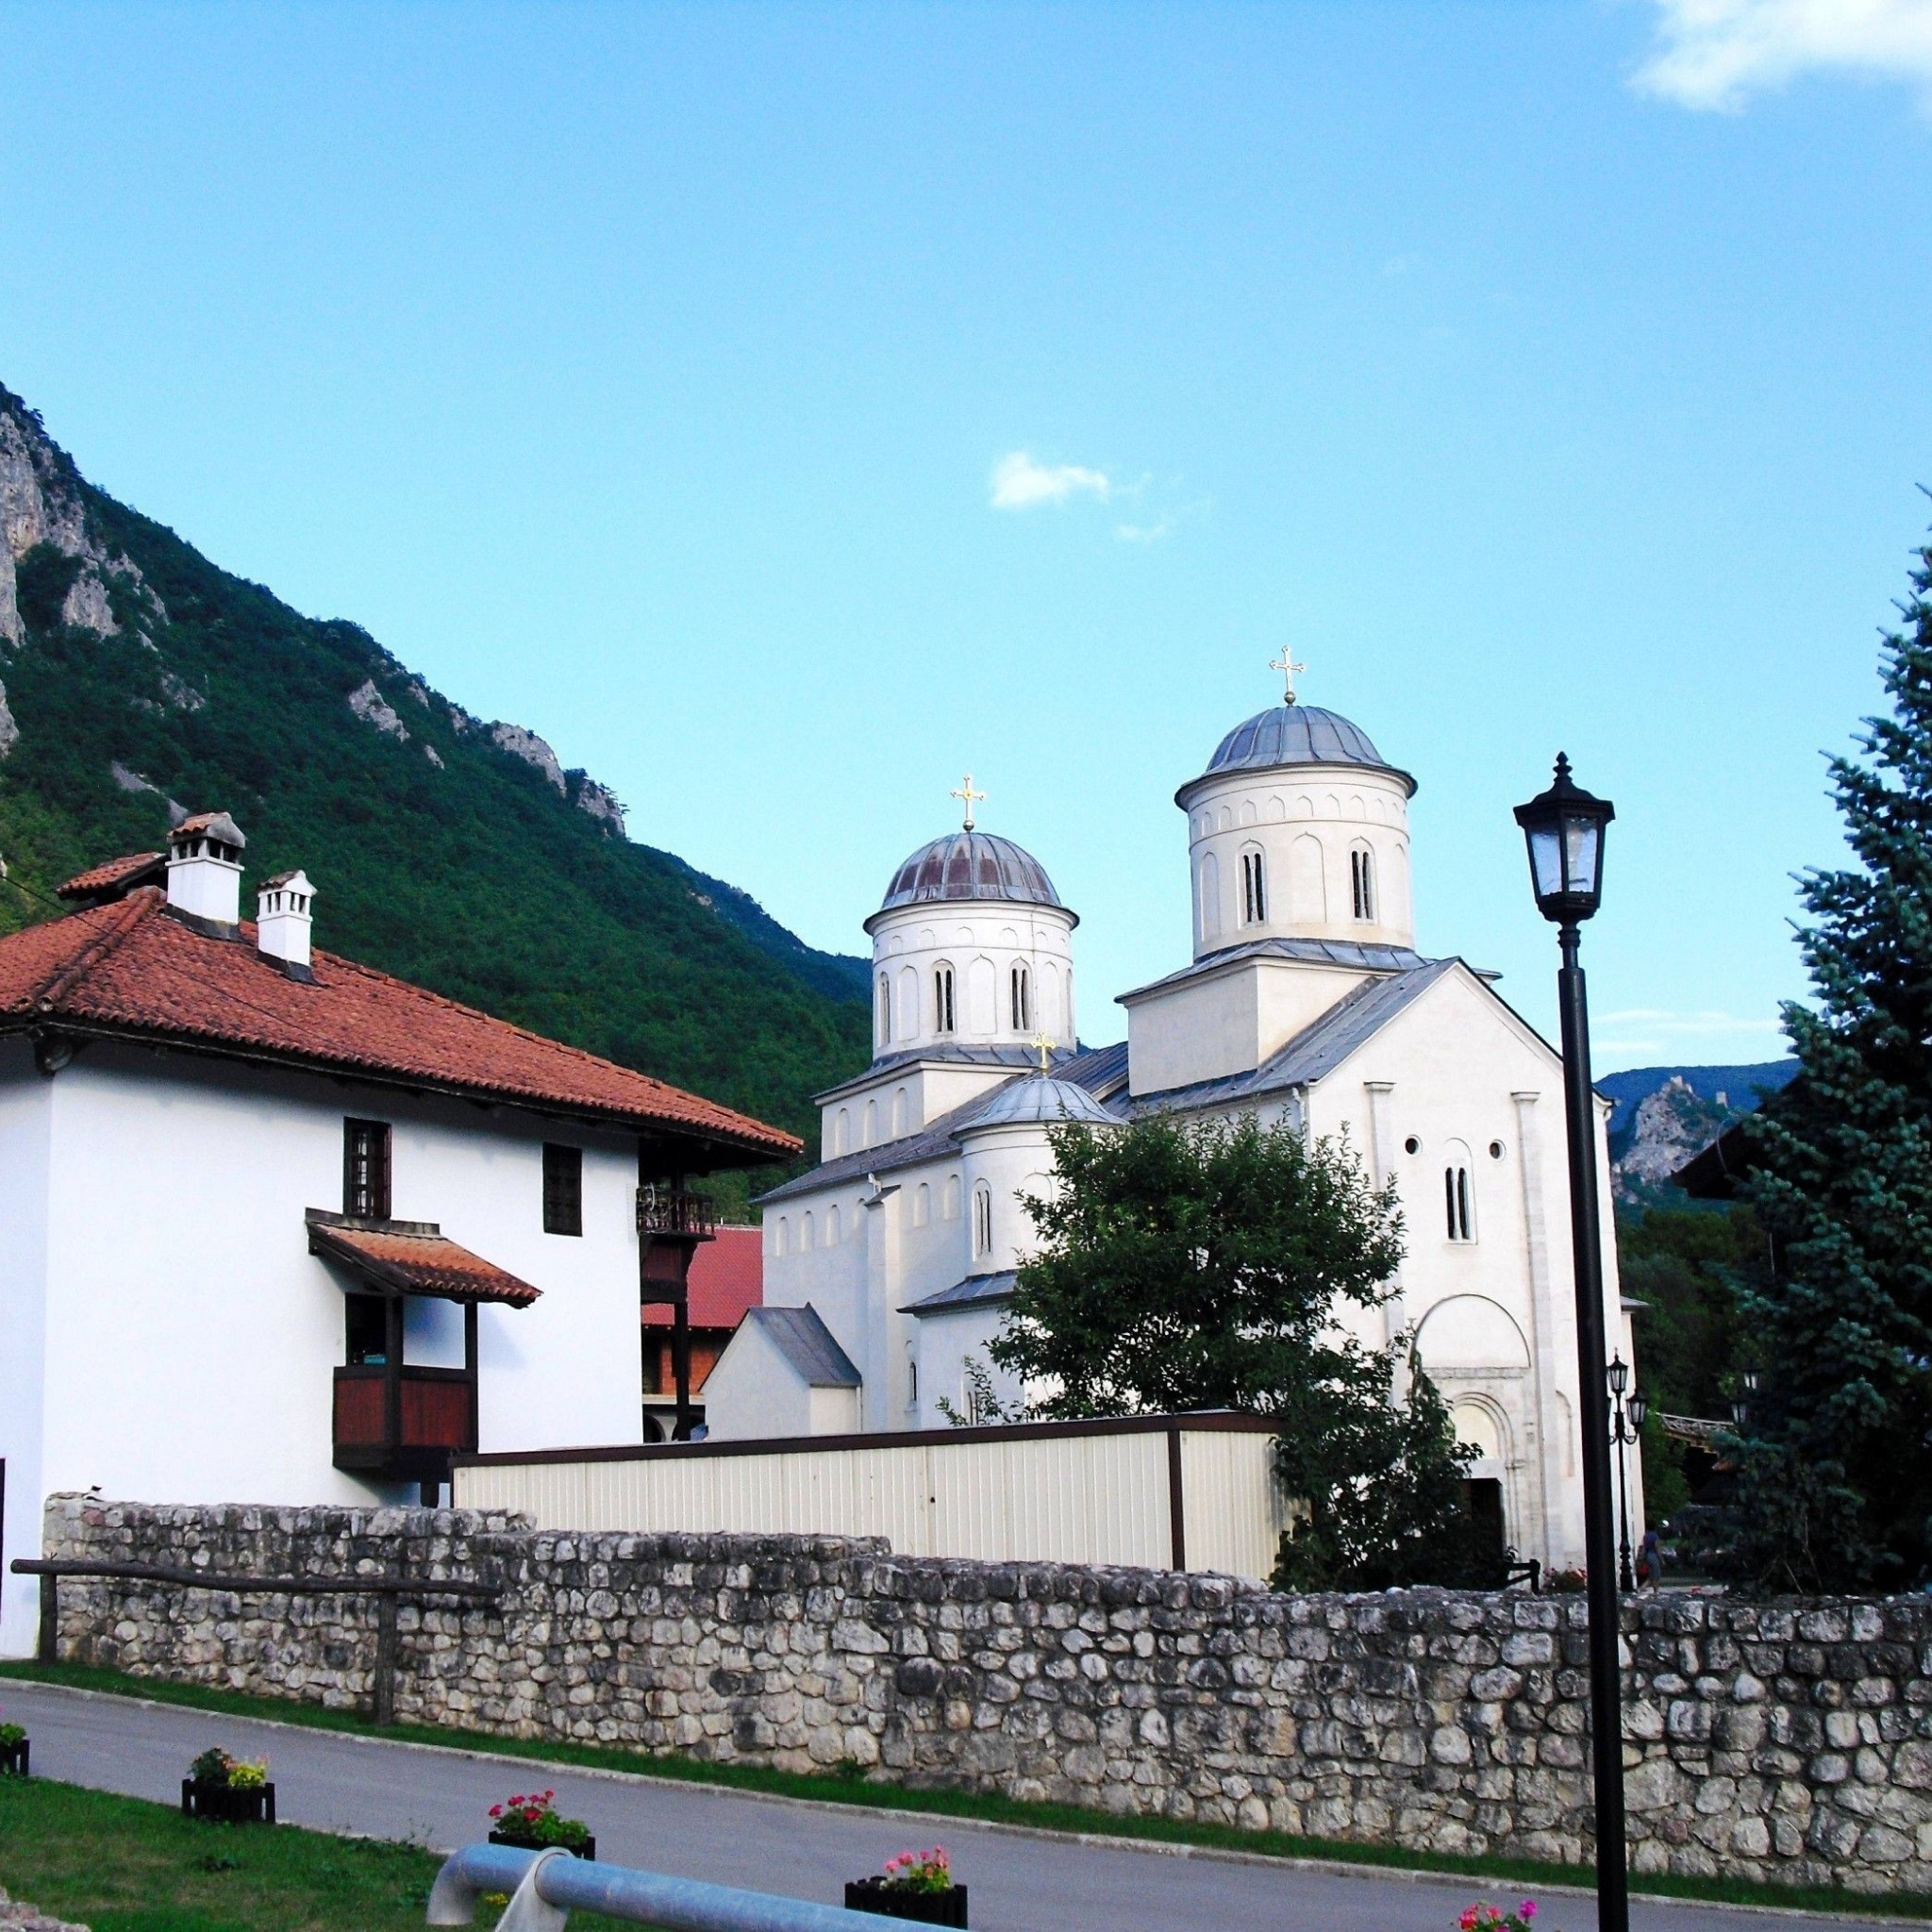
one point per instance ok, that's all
(50, 1619)
(392, 1374)
(385, 1699)
(470, 1369)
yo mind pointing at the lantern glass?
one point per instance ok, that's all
(1619, 1374)
(1638, 1407)
(1739, 1412)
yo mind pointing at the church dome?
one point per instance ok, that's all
(1296, 734)
(969, 865)
(1037, 1100)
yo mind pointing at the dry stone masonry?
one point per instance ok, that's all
(1788, 1741)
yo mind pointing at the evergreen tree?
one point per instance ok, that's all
(1202, 1265)
(1834, 1468)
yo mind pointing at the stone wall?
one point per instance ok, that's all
(1787, 1742)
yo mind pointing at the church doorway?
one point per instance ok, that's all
(1483, 1499)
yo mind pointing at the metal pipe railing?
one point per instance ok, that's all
(544, 1887)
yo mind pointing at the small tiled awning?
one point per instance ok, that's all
(413, 1258)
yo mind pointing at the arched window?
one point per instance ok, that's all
(901, 1114)
(982, 1219)
(832, 1226)
(804, 1234)
(1361, 880)
(871, 1124)
(1023, 1000)
(1458, 1195)
(1254, 888)
(841, 1132)
(942, 999)
(952, 1197)
(882, 1017)
(784, 1236)
(912, 1383)
(921, 1206)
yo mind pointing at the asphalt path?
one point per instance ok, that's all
(1020, 1881)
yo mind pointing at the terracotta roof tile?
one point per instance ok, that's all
(728, 1276)
(412, 1257)
(133, 970)
(115, 877)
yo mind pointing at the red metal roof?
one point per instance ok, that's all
(114, 878)
(133, 970)
(415, 1257)
(728, 1276)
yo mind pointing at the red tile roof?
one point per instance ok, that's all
(415, 1257)
(133, 970)
(728, 1276)
(114, 878)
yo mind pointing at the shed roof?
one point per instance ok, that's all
(976, 1292)
(413, 1258)
(800, 1335)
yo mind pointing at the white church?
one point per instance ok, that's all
(889, 1267)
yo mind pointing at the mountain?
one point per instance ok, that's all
(1666, 1114)
(139, 681)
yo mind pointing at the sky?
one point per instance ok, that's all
(787, 409)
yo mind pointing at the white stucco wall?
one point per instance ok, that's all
(25, 1121)
(190, 1335)
(982, 943)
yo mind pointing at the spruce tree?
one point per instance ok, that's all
(1834, 1464)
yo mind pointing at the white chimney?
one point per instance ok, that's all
(283, 918)
(205, 867)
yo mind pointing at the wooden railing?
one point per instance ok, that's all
(437, 1418)
(677, 1211)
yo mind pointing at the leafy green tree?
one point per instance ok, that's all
(1835, 1469)
(1201, 1265)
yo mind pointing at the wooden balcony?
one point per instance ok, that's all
(403, 1425)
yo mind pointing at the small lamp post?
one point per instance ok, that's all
(1626, 1428)
(1564, 830)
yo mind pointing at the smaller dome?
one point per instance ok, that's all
(969, 865)
(1038, 1099)
(1296, 734)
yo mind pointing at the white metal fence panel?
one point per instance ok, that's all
(1236, 1512)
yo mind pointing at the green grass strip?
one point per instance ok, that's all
(854, 1787)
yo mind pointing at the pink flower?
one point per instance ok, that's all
(1528, 1909)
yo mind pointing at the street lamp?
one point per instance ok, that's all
(1564, 830)
(1626, 1427)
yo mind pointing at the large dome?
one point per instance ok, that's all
(969, 865)
(1296, 734)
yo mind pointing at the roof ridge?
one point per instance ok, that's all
(123, 915)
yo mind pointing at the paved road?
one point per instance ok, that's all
(1020, 1881)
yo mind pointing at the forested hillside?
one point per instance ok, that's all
(136, 677)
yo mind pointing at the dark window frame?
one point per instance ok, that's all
(366, 1169)
(563, 1188)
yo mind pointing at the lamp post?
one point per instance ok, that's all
(1626, 1428)
(1564, 830)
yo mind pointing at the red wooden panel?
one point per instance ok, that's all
(436, 1415)
(359, 1409)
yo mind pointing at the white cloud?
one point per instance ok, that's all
(1715, 53)
(1640, 1033)
(1143, 533)
(1019, 483)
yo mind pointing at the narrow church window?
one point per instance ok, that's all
(841, 1133)
(982, 1219)
(952, 1197)
(921, 1206)
(784, 1236)
(872, 1122)
(832, 1226)
(1456, 1199)
(1361, 874)
(563, 1190)
(366, 1169)
(883, 1020)
(900, 1114)
(804, 1233)
(1023, 1000)
(942, 999)
(912, 1398)
(1253, 889)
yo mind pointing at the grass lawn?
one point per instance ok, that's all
(124, 1865)
(856, 1789)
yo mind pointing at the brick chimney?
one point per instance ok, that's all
(205, 868)
(283, 918)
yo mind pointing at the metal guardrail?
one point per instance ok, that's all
(546, 1887)
(385, 1590)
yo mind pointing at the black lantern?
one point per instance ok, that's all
(1564, 829)
(1638, 1407)
(1619, 1374)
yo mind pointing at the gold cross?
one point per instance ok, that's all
(1042, 1046)
(964, 791)
(1289, 671)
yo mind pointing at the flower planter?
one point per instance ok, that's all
(227, 1803)
(13, 1759)
(947, 1907)
(587, 1850)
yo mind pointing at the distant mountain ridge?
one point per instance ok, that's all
(1666, 1114)
(137, 679)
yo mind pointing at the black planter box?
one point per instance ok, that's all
(13, 1759)
(229, 1804)
(587, 1850)
(875, 1895)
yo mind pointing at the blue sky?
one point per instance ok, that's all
(1548, 376)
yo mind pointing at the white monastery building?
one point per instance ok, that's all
(247, 1194)
(889, 1267)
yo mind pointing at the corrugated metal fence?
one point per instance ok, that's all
(1181, 1492)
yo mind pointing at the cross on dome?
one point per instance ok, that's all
(1042, 1046)
(964, 791)
(1289, 671)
